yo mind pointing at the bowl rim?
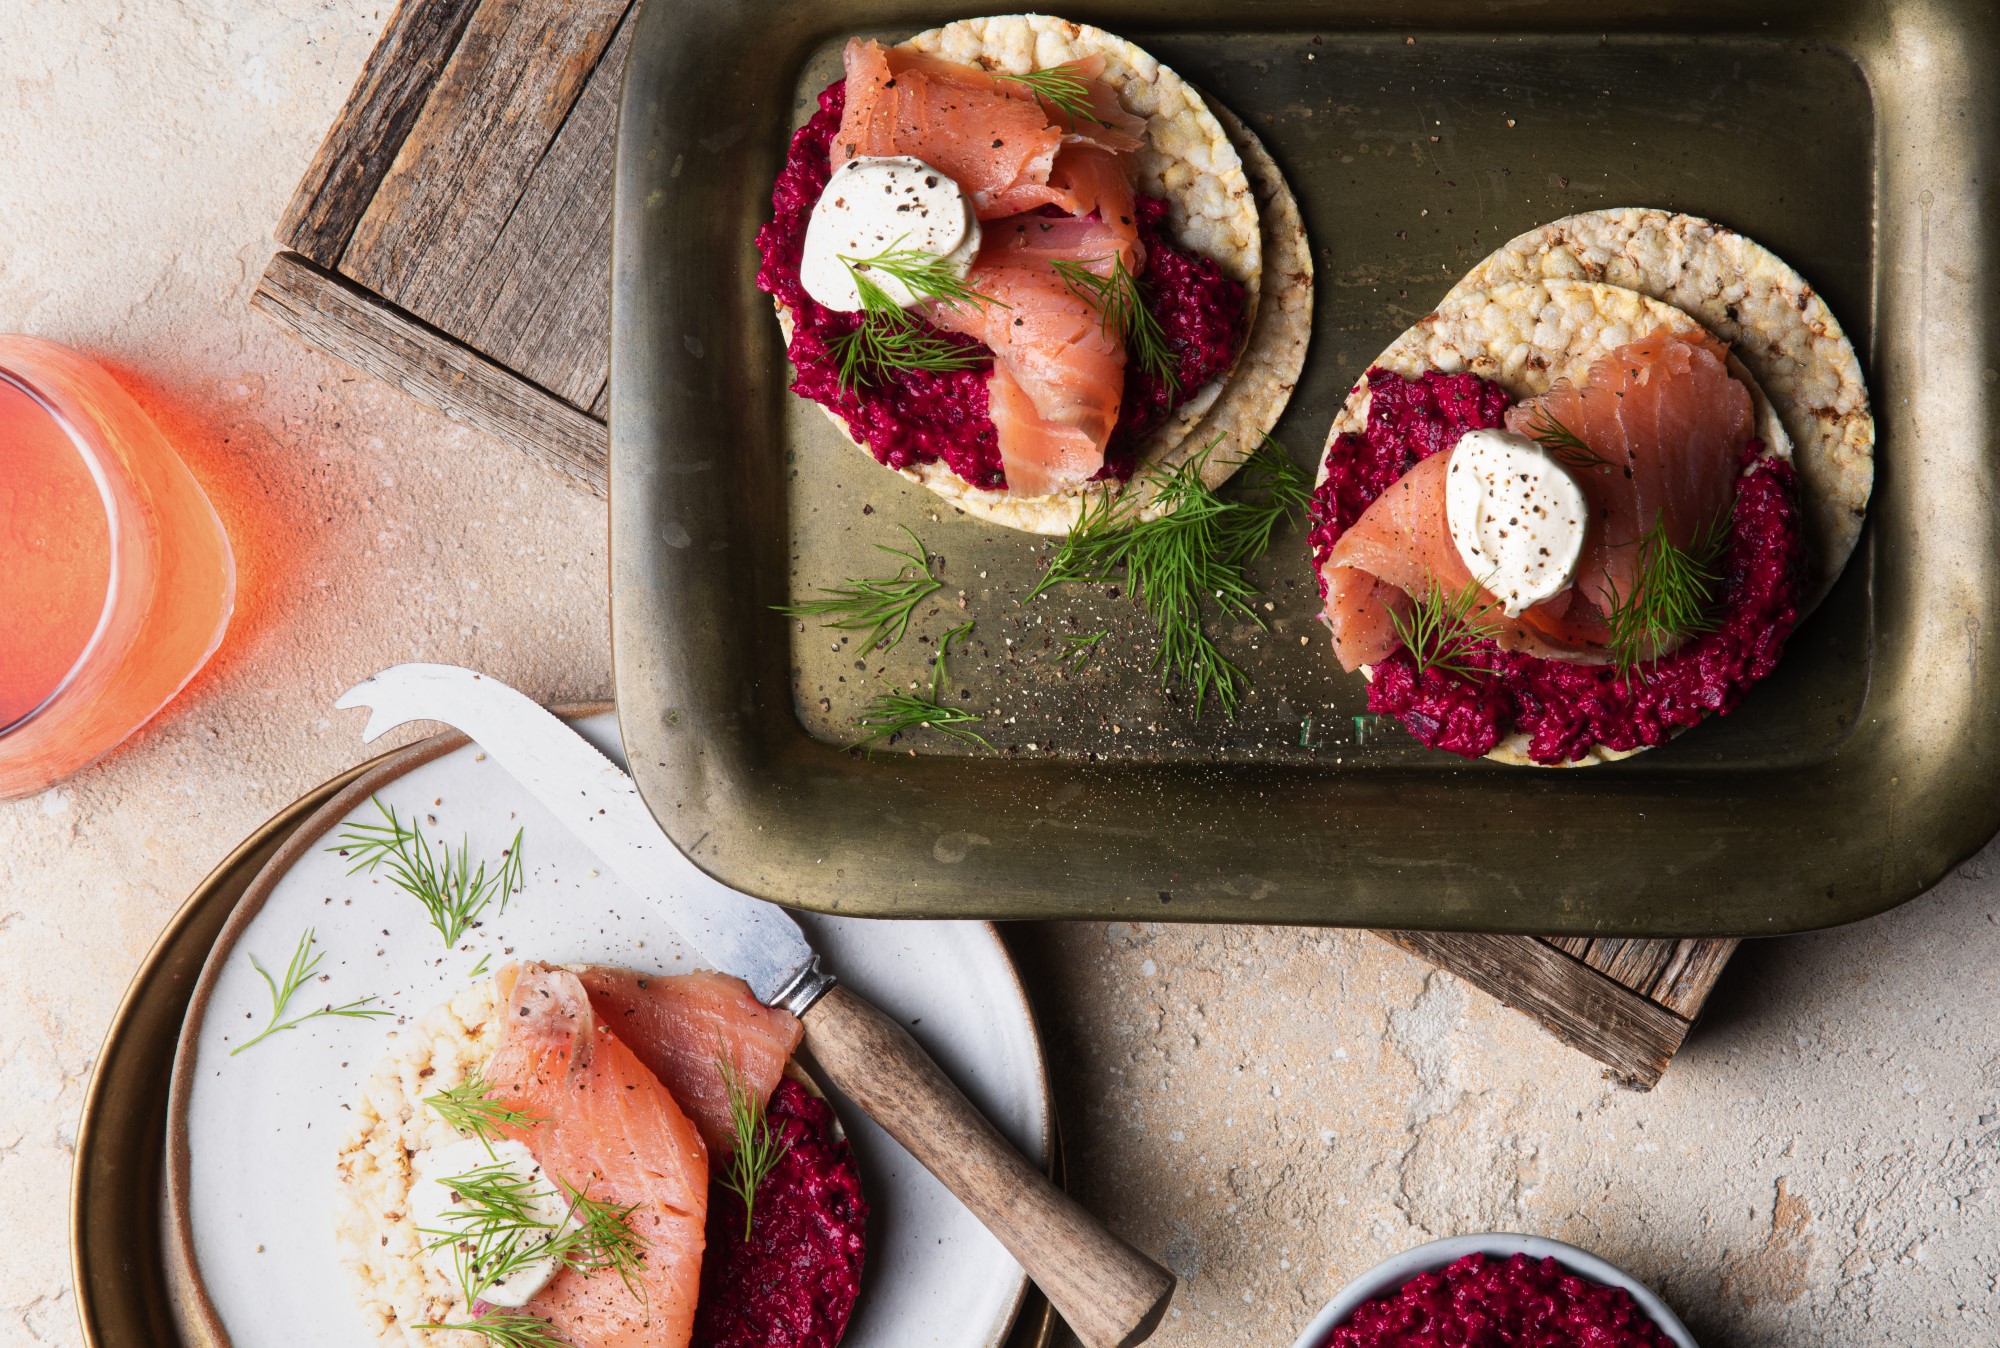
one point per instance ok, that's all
(1398, 1269)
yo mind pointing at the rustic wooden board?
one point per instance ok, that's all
(452, 237)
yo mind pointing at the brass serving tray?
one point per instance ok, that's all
(1850, 137)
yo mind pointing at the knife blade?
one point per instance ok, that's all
(1109, 1293)
(595, 800)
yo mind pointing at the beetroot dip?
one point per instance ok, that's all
(1564, 708)
(793, 1283)
(914, 417)
(1513, 1303)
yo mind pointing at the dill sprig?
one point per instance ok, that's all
(1063, 87)
(757, 1151)
(451, 891)
(494, 1229)
(479, 969)
(1078, 651)
(882, 607)
(468, 1108)
(926, 275)
(1564, 445)
(507, 1329)
(901, 713)
(1193, 553)
(891, 339)
(305, 961)
(1671, 596)
(1442, 627)
(1123, 314)
(601, 1237)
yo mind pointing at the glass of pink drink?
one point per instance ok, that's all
(116, 579)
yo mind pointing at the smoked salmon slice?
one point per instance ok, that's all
(607, 1126)
(679, 1026)
(1669, 423)
(1091, 184)
(1395, 550)
(1662, 424)
(1058, 378)
(993, 136)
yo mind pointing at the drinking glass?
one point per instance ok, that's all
(116, 578)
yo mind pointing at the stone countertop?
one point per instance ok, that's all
(1269, 1110)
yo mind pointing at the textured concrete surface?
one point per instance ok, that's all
(1272, 1111)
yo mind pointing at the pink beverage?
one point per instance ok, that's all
(116, 579)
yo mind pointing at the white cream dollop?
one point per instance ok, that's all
(1516, 516)
(877, 203)
(432, 1202)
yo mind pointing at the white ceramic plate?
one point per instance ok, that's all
(250, 1209)
(1392, 1273)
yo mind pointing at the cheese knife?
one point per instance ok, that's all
(1109, 1293)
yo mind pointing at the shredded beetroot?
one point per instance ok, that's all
(1201, 314)
(1408, 419)
(915, 417)
(1513, 1303)
(1565, 708)
(793, 1283)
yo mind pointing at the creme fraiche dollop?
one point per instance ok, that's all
(1516, 517)
(876, 204)
(440, 1211)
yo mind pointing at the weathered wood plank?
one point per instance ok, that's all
(344, 320)
(1578, 946)
(537, 296)
(496, 113)
(1634, 1038)
(369, 133)
(1684, 985)
(1635, 963)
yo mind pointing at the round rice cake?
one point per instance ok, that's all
(398, 1287)
(1227, 200)
(1524, 336)
(1749, 297)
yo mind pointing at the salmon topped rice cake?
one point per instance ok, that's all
(556, 1155)
(1019, 261)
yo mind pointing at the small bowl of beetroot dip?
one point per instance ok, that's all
(1496, 1291)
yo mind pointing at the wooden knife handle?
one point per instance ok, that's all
(1110, 1294)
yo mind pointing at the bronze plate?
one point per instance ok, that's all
(131, 1292)
(1836, 133)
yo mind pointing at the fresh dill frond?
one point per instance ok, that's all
(882, 607)
(1078, 651)
(928, 276)
(305, 961)
(1123, 314)
(757, 1151)
(494, 1228)
(450, 889)
(1564, 445)
(1671, 596)
(1441, 628)
(469, 1108)
(1193, 554)
(1063, 87)
(480, 968)
(600, 1238)
(902, 713)
(507, 1329)
(891, 339)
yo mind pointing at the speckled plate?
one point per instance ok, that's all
(245, 1229)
